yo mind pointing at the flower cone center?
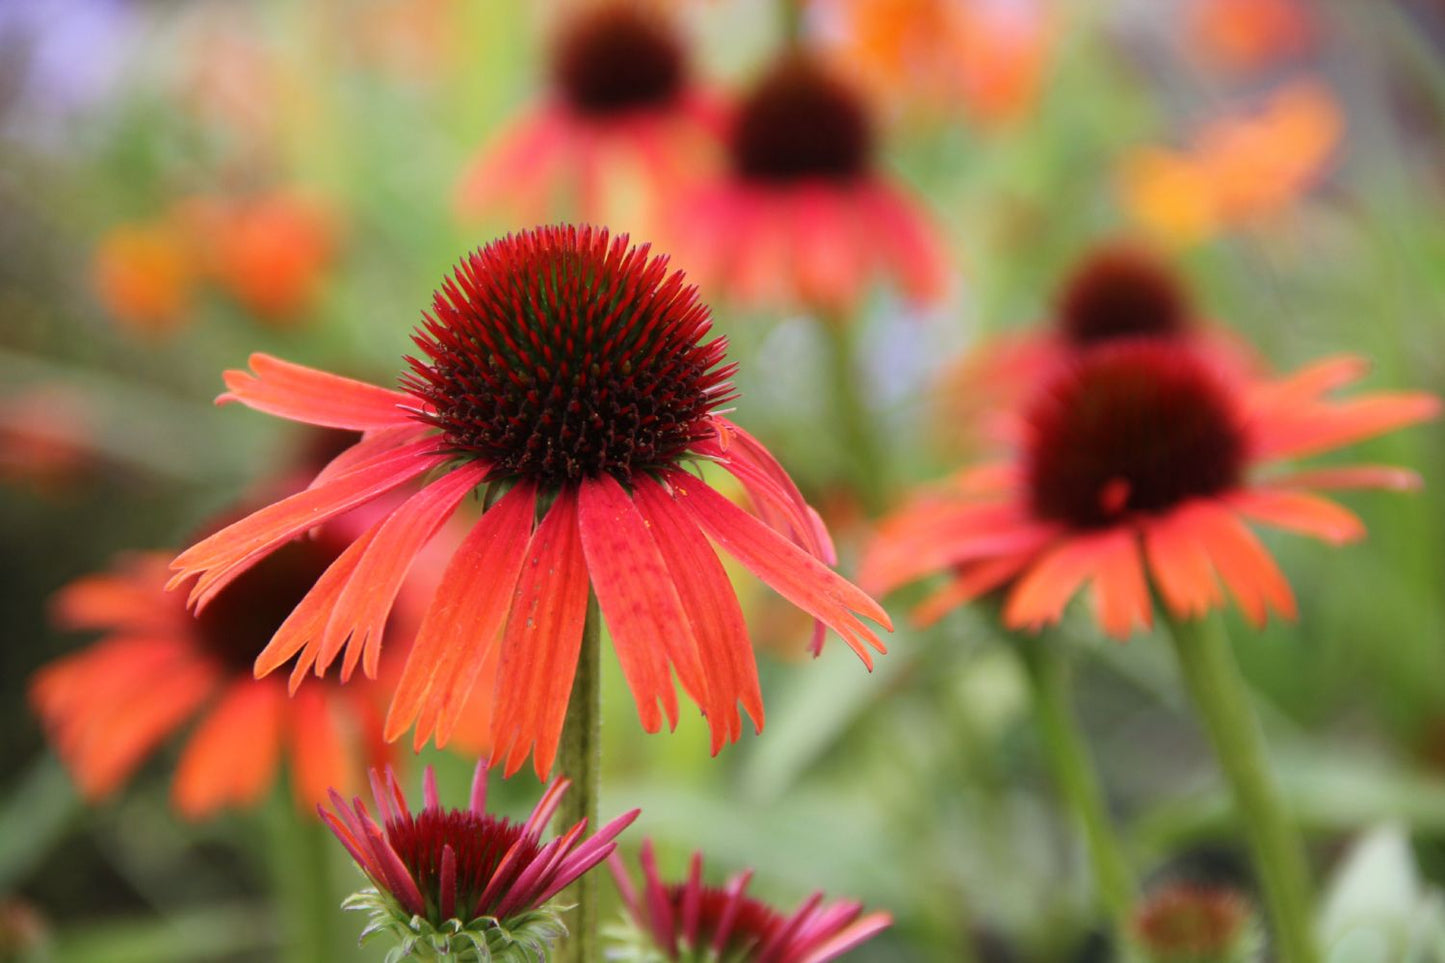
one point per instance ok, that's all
(1133, 427)
(1120, 293)
(618, 58)
(801, 123)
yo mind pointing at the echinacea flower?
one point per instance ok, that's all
(157, 667)
(1140, 464)
(464, 881)
(691, 922)
(1238, 170)
(1119, 290)
(1196, 923)
(621, 116)
(804, 216)
(569, 373)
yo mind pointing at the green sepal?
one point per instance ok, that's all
(524, 938)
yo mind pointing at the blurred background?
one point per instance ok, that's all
(183, 182)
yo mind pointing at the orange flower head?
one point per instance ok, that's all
(1139, 461)
(144, 275)
(271, 253)
(803, 216)
(691, 921)
(616, 58)
(1190, 923)
(107, 708)
(1243, 35)
(577, 376)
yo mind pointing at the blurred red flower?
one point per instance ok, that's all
(804, 217)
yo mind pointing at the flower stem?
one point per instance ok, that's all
(300, 864)
(1222, 699)
(580, 759)
(863, 452)
(1073, 770)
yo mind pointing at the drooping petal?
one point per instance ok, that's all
(855, 934)
(793, 573)
(360, 613)
(459, 633)
(315, 397)
(710, 603)
(1297, 433)
(123, 601)
(1121, 593)
(1040, 594)
(225, 555)
(1384, 477)
(639, 601)
(1244, 564)
(935, 534)
(1180, 564)
(231, 758)
(320, 757)
(541, 641)
(971, 582)
(1300, 512)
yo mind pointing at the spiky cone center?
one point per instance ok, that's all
(801, 123)
(749, 923)
(616, 58)
(523, 938)
(1196, 924)
(559, 354)
(1133, 427)
(238, 623)
(477, 843)
(1120, 292)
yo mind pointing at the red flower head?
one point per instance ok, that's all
(804, 214)
(1140, 462)
(689, 922)
(157, 667)
(1118, 291)
(620, 107)
(459, 878)
(573, 375)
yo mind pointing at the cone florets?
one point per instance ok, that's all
(559, 353)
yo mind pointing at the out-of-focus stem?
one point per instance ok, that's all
(865, 461)
(580, 758)
(1220, 695)
(1073, 770)
(300, 865)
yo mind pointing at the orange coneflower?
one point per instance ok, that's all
(570, 373)
(804, 215)
(1239, 170)
(157, 667)
(1117, 291)
(145, 275)
(984, 56)
(690, 920)
(464, 879)
(621, 116)
(1139, 464)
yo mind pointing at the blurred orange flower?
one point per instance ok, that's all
(989, 56)
(1238, 170)
(270, 252)
(45, 436)
(1244, 35)
(145, 275)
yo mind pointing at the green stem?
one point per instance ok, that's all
(580, 759)
(1073, 769)
(1222, 699)
(791, 12)
(863, 455)
(300, 859)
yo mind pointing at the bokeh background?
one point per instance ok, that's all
(182, 183)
